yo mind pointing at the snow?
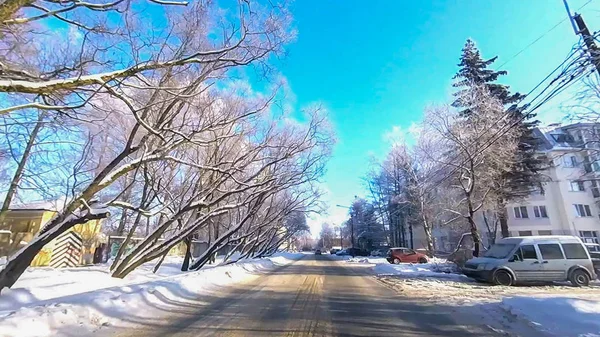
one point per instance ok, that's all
(370, 260)
(48, 302)
(559, 316)
(436, 268)
(422, 270)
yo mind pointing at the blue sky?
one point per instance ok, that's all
(375, 65)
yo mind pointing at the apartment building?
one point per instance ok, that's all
(567, 203)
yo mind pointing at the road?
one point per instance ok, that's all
(314, 296)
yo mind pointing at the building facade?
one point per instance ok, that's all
(567, 202)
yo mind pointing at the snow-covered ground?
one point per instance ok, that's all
(46, 302)
(560, 316)
(557, 310)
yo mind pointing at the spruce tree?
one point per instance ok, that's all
(525, 175)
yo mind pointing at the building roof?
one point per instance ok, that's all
(540, 238)
(55, 205)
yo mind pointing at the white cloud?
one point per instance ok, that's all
(395, 135)
(399, 135)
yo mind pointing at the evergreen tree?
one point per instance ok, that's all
(525, 175)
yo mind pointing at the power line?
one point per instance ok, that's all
(539, 38)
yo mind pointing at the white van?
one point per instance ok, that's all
(533, 258)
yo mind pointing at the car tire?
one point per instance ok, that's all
(503, 278)
(579, 278)
(397, 261)
(422, 260)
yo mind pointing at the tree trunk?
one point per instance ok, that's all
(503, 218)
(185, 266)
(122, 221)
(412, 239)
(474, 235)
(428, 236)
(14, 184)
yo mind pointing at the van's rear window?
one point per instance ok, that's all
(574, 251)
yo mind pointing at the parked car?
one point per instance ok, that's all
(318, 252)
(334, 250)
(533, 259)
(401, 254)
(378, 252)
(353, 252)
(341, 252)
(357, 252)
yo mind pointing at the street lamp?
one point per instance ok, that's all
(351, 226)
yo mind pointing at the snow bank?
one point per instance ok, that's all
(369, 259)
(560, 316)
(44, 283)
(132, 303)
(422, 270)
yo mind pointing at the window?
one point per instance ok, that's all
(574, 251)
(577, 186)
(528, 252)
(525, 233)
(409, 252)
(551, 251)
(595, 189)
(589, 236)
(521, 212)
(540, 211)
(582, 210)
(570, 161)
(544, 232)
(563, 138)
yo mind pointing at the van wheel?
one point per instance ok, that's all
(422, 260)
(397, 261)
(503, 278)
(579, 278)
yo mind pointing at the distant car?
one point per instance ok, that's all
(356, 252)
(378, 252)
(341, 252)
(333, 251)
(405, 255)
(318, 252)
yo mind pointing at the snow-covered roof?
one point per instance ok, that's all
(55, 205)
(537, 238)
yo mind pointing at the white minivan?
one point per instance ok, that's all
(533, 259)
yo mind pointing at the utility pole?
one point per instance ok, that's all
(581, 28)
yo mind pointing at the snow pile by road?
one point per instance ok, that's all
(370, 259)
(443, 270)
(559, 316)
(137, 302)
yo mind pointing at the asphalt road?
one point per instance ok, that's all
(315, 296)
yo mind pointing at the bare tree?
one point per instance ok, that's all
(476, 149)
(148, 108)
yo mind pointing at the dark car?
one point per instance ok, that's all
(401, 254)
(334, 250)
(357, 252)
(318, 252)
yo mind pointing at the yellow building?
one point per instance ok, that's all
(22, 223)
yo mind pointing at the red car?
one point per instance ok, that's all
(406, 255)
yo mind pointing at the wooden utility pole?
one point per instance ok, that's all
(581, 28)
